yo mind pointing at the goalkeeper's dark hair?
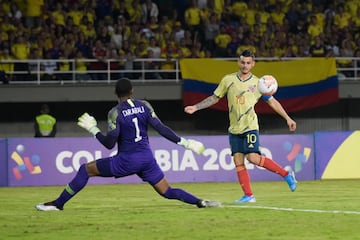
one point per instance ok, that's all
(123, 87)
(247, 53)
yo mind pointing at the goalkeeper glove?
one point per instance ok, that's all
(88, 123)
(195, 146)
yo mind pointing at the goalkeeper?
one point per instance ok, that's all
(127, 126)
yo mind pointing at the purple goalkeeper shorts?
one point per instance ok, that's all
(142, 164)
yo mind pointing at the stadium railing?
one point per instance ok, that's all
(142, 70)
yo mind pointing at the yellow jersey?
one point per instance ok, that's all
(242, 95)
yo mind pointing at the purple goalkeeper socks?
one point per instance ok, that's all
(179, 194)
(76, 184)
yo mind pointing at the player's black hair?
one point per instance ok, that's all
(247, 53)
(123, 87)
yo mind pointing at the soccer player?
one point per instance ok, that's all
(127, 126)
(242, 95)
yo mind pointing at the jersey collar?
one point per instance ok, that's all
(238, 77)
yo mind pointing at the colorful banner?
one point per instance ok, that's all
(55, 161)
(3, 163)
(336, 155)
(303, 84)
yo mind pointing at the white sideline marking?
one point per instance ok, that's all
(295, 210)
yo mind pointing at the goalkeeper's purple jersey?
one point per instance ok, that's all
(129, 121)
(128, 124)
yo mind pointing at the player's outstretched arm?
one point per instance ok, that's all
(278, 108)
(207, 102)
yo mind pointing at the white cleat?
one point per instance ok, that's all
(46, 207)
(209, 204)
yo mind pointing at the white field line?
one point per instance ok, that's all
(294, 209)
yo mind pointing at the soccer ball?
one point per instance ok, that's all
(267, 85)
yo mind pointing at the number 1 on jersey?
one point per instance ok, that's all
(137, 133)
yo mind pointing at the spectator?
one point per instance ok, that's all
(141, 50)
(152, 65)
(186, 52)
(249, 15)
(259, 25)
(333, 46)
(154, 47)
(113, 56)
(168, 67)
(193, 19)
(129, 66)
(299, 28)
(149, 9)
(292, 15)
(15, 14)
(179, 31)
(34, 11)
(8, 25)
(278, 15)
(344, 62)
(45, 124)
(218, 6)
(221, 42)
(342, 19)
(103, 35)
(197, 51)
(103, 9)
(347, 46)
(120, 11)
(49, 67)
(99, 67)
(233, 45)
(64, 64)
(6, 69)
(314, 29)
(239, 8)
(76, 13)
(81, 67)
(35, 66)
(82, 44)
(189, 39)
(89, 31)
(20, 50)
(135, 11)
(264, 14)
(318, 12)
(318, 49)
(356, 19)
(59, 14)
(212, 29)
(118, 36)
(170, 49)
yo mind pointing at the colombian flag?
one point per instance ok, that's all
(303, 84)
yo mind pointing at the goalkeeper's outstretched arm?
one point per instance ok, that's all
(169, 134)
(89, 123)
(164, 130)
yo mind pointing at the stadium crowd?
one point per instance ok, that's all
(125, 30)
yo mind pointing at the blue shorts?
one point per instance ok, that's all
(245, 143)
(142, 164)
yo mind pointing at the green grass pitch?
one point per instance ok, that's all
(317, 210)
